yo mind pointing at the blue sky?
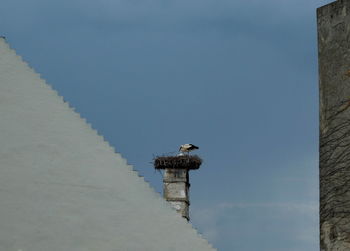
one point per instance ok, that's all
(237, 78)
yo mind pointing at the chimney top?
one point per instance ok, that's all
(190, 162)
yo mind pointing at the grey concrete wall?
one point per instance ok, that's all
(334, 83)
(63, 188)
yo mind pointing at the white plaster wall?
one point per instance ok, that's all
(62, 187)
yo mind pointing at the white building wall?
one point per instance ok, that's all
(63, 188)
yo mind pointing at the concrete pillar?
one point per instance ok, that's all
(176, 190)
(333, 22)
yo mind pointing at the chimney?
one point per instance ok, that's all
(176, 182)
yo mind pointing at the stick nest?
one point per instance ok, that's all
(182, 162)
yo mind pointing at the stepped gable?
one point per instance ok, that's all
(63, 187)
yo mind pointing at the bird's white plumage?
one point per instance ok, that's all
(187, 148)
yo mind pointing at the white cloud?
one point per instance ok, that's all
(227, 223)
(294, 222)
(305, 208)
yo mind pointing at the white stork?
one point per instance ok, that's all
(187, 148)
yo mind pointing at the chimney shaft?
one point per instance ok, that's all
(176, 190)
(176, 180)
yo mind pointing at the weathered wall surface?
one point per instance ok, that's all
(334, 83)
(63, 188)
